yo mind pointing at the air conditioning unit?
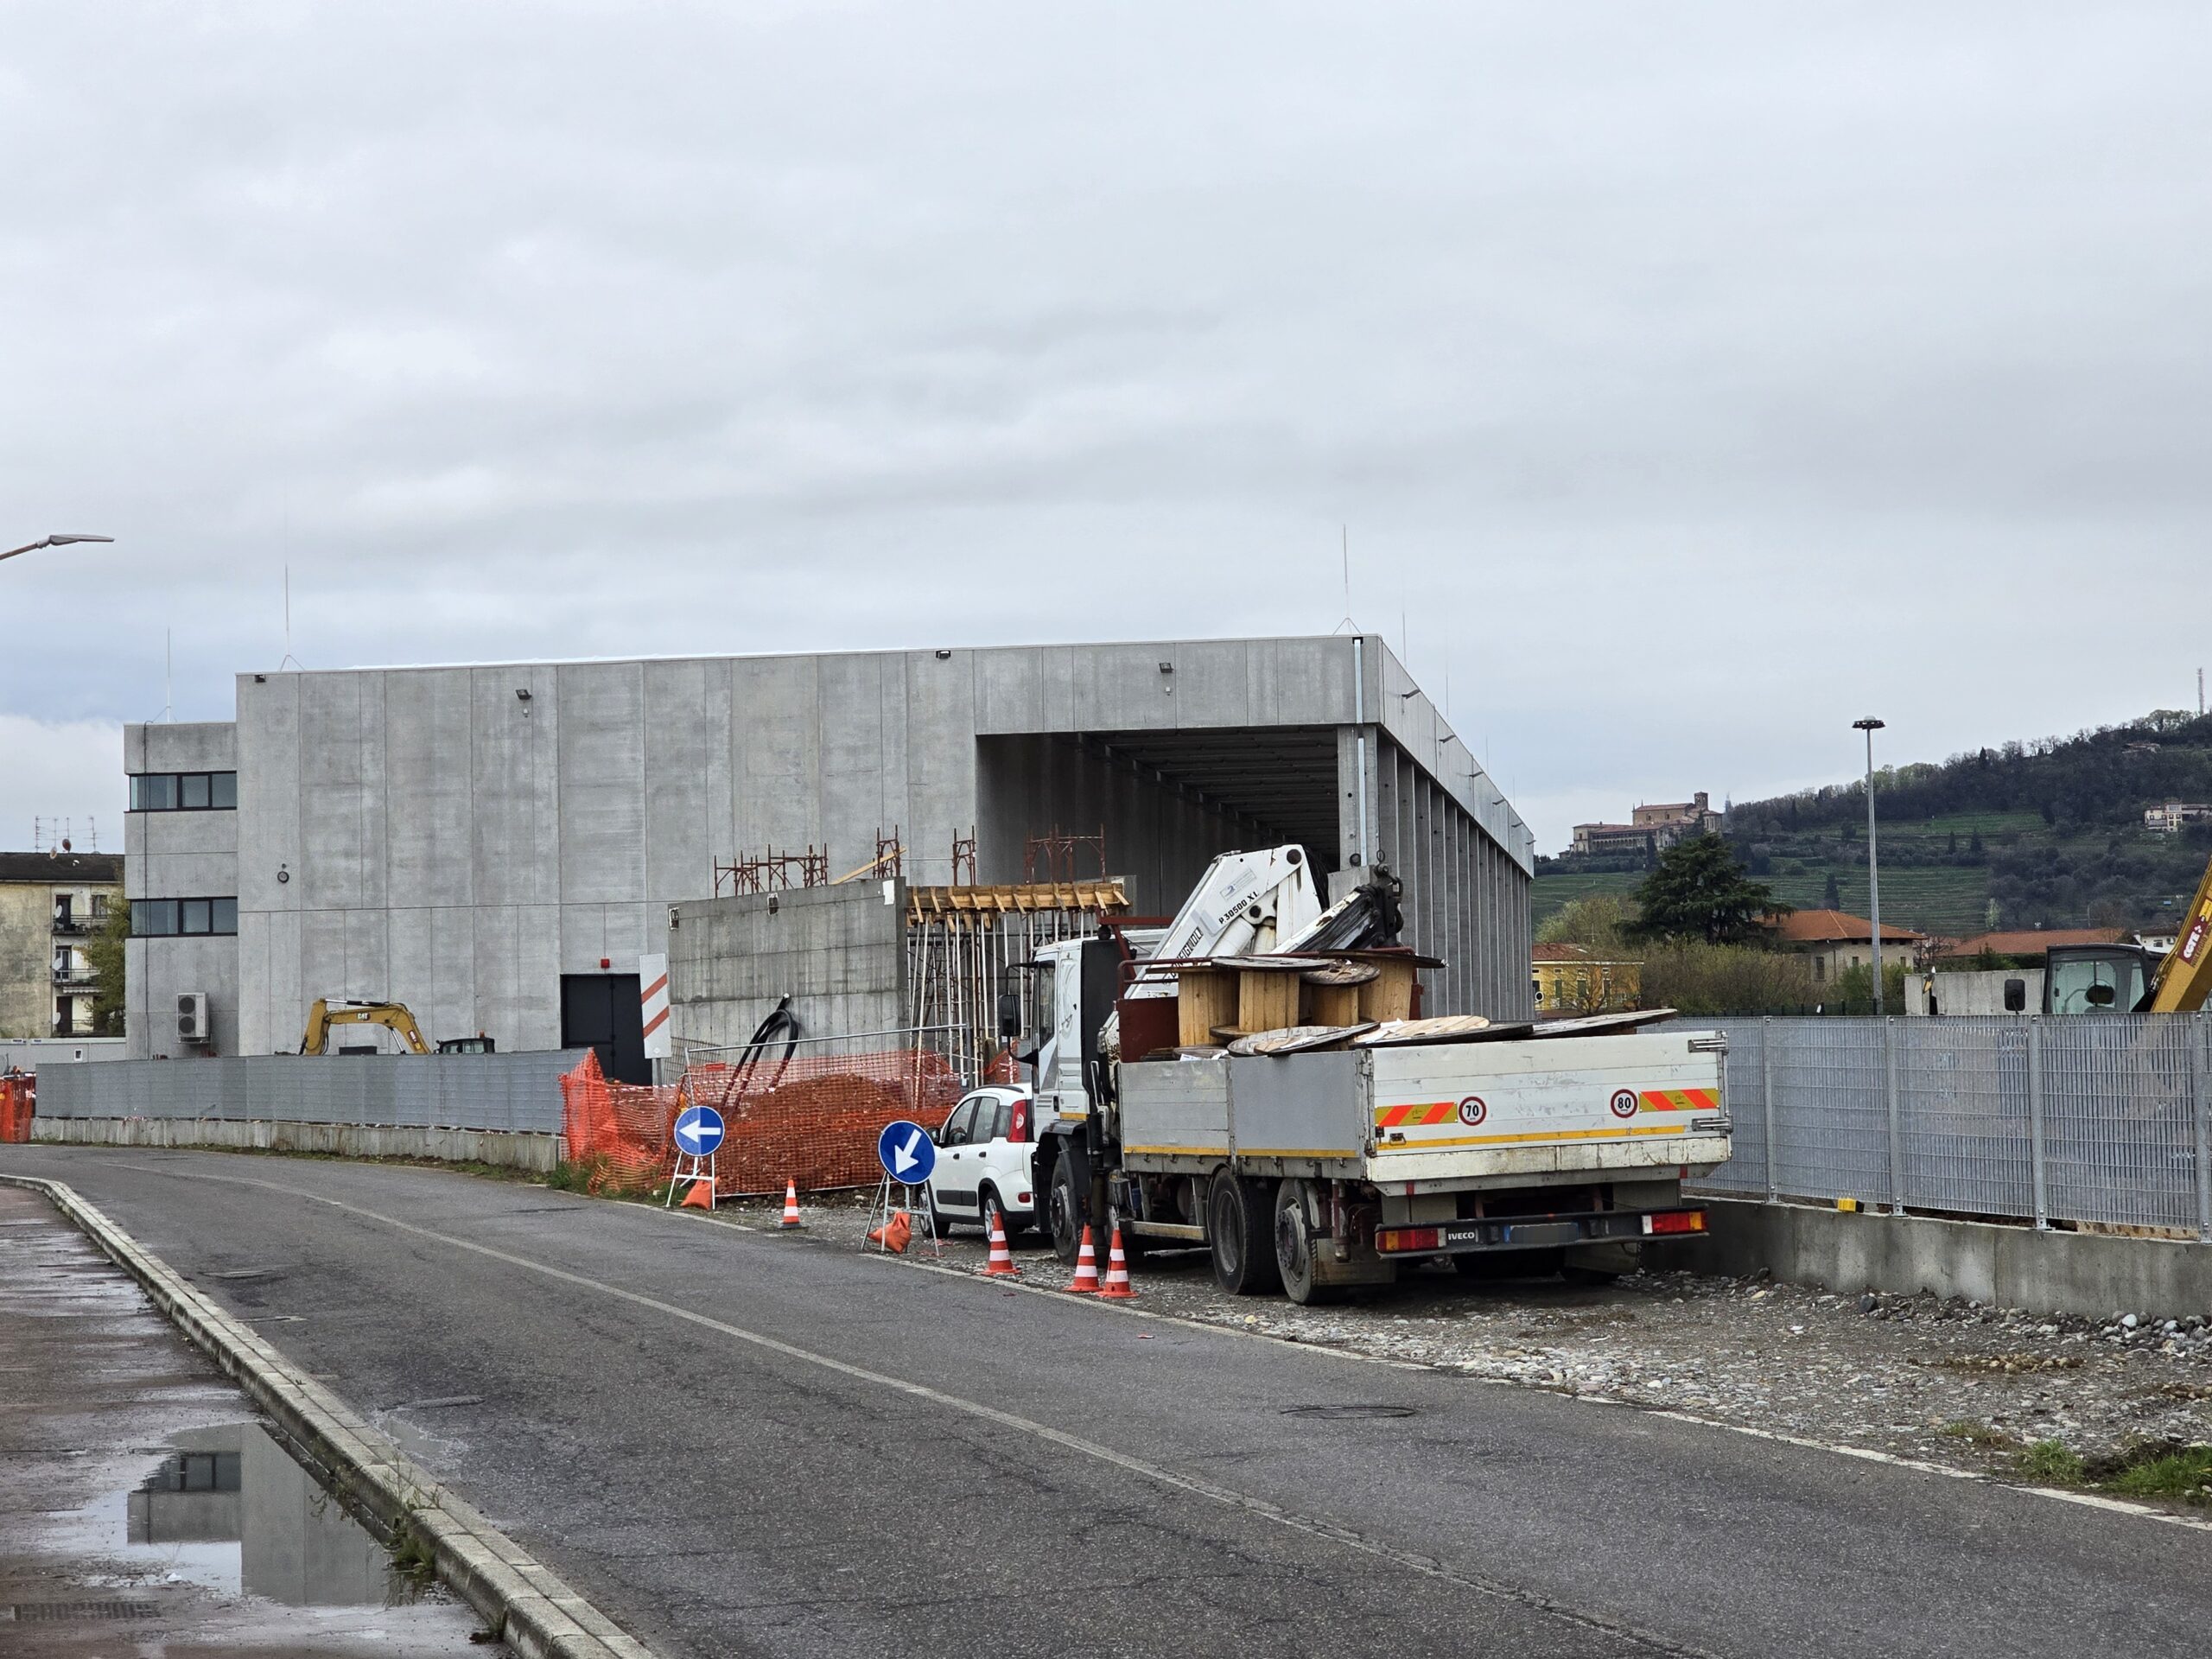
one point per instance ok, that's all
(192, 1016)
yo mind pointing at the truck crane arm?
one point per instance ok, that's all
(1243, 905)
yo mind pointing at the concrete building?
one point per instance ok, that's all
(496, 845)
(50, 905)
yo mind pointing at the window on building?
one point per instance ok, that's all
(184, 792)
(161, 919)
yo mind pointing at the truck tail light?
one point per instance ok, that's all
(1390, 1240)
(1679, 1221)
(1018, 1132)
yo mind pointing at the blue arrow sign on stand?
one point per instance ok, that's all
(698, 1131)
(906, 1152)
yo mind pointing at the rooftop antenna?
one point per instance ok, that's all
(289, 660)
(1345, 530)
(169, 672)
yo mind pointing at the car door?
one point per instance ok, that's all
(956, 1182)
(1001, 1158)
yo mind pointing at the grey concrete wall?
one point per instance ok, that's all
(180, 855)
(459, 1092)
(839, 953)
(28, 1054)
(2092, 1275)
(539, 1153)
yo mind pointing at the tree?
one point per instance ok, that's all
(1831, 895)
(1598, 922)
(104, 953)
(1700, 890)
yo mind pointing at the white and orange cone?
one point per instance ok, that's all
(1117, 1286)
(790, 1206)
(1086, 1267)
(1001, 1266)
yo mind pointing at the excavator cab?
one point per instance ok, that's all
(2096, 979)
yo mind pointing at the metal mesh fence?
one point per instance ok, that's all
(2103, 1119)
(511, 1092)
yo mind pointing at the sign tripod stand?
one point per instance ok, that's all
(908, 1155)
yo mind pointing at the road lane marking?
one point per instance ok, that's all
(1229, 1498)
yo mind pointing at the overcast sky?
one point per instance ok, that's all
(1694, 378)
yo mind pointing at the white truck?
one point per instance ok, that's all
(1558, 1147)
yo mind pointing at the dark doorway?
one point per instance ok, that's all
(601, 1011)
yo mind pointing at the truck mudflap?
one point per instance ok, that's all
(1536, 1233)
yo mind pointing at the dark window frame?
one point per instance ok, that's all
(219, 790)
(219, 908)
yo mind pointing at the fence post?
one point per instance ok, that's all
(1766, 1101)
(2200, 1089)
(1897, 1139)
(2035, 1122)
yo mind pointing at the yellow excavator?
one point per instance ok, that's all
(2184, 978)
(2128, 979)
(394, 1017)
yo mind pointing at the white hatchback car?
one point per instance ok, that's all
(983, 1163)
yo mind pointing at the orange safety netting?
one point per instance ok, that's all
(813, 1120)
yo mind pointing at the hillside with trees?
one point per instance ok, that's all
(2047, 833)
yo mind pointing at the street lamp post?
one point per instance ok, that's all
(1870, 726)
(60, 538)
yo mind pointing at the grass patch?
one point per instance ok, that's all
(597, 1176)
(411, 1557)
(2054, 1463)
(2177, 1473)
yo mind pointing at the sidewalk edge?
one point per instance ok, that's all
(539, 1616)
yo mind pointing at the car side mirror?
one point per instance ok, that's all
(1009, 1013)
(2016, 996)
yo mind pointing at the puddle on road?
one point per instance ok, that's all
(229, 1510)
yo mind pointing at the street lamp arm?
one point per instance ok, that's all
(58, 539)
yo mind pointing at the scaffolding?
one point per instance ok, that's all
(1052, 858)
(961, 940)
(774, 872)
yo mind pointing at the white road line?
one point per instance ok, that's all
(1426, 1565)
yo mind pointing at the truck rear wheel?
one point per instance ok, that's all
(1064, 1206)
(1237, 1227)
(1293, 1249)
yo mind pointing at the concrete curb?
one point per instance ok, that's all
(537, 1613)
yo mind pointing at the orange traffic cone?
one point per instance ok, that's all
(1086, 1267)
(1117, 1286)
(701, 1197)
(791, 1206)
(1001, 1266)
(894, 1233)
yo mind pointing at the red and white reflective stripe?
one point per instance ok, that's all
(652, 1004)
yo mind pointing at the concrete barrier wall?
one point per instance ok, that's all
(511, 1093)
(513, 1150)
(2092, 1275)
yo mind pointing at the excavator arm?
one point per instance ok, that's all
(2184, 978)
(392, 1016)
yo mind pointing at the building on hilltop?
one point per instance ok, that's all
(497, 845)
(50, 905)
(1836, 941)
(1651, 829)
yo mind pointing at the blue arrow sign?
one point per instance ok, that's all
(698, 1131)
(906, 1152)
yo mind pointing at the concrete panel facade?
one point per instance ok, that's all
(459, 838)
(180, 855)
(839, 953)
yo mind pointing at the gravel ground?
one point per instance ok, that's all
(1949, 1382)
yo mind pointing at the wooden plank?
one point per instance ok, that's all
(1207, 997)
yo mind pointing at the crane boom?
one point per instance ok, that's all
(2185, 979)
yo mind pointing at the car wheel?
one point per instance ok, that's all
(994, 1207)
(1063, 1210)
(1244, 1247)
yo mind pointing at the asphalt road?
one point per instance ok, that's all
(739, 1442)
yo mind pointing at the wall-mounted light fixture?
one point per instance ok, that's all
(941, 653)
(522, 694)
(282, 875)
